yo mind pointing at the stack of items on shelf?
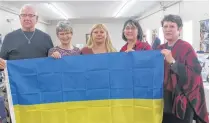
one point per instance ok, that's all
(3, 110)
(204, 61)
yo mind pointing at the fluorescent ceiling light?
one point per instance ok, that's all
(125, 6)
(54, 7)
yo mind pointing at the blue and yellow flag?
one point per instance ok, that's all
(103, 88)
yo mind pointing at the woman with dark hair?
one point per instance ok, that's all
(184, 97)
(132, 33)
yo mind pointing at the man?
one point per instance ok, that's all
(27, 42)
(184, 98)
(155, 42)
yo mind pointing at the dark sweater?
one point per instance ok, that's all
(16, 46)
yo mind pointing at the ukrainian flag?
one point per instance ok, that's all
(103, 88)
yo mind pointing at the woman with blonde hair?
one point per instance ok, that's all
(99, 41)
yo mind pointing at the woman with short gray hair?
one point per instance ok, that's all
(64, 33)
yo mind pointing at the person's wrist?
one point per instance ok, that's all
(172, 62)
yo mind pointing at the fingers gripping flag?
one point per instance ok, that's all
(102, 88)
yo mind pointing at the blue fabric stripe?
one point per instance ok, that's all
(131, 75)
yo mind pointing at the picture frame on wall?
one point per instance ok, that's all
(87, 37)
(1, 39)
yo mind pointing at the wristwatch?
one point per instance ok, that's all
(173, 62)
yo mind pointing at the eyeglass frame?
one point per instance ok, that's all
(65, 33)
(29, 15)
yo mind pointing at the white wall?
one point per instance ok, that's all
(188, 10)
(81, 29)
(6, 27)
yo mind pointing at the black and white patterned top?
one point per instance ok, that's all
(64, 52)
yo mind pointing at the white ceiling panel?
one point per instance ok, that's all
(87, 9)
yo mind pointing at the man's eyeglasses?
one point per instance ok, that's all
(29, 15)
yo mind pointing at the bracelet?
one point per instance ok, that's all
(172, 62)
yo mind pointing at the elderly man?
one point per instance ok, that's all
(27, 42)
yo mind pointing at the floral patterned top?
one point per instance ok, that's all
(64, 52)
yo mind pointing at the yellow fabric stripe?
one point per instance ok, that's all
(103, 111)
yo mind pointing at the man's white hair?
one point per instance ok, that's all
(28, 6)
